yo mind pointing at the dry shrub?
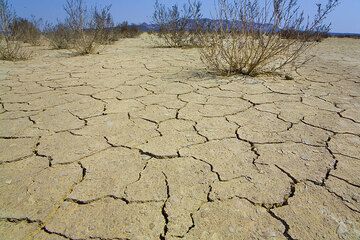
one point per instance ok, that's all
(10, 48)
(13, 51)
(178, 28)
(83, 31)
(124, 30)
(248, 38)
(83, 42)
(59, 36)
(306, 36)
(88, 30)
(26, 31)
(103, 26)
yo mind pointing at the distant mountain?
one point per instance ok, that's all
(146, 27)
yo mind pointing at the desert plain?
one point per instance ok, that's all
(139, 142)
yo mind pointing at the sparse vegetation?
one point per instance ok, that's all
(26, 31)
(10, 48)
(306, 36)
(124, 30)
(85, 31)
(250, 39)
(88, 30)
(83, 42)
(59, 36)
(178, 27)
(103, 26)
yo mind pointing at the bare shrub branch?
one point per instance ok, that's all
(89, 29)
(10, 47)
(178, 27)
(26, 30)
(103, 26)
(124, 30)
(78, 23)
(250, 35)
(59, 36)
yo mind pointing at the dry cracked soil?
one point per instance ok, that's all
(140, 142)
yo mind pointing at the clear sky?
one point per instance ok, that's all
(346, 18)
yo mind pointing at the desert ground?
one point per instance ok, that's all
(139, 142)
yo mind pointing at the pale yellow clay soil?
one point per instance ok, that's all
(142, 143)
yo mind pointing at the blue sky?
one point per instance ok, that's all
(346, 18)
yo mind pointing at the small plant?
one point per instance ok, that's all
(254, 36)
(26, 31)
(178, 28)
(10, 48)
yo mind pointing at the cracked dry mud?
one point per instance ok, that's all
(142, 143)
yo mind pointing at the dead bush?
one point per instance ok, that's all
(13, 51)
(249, 35)
(26, 31)
(10, 48)
(124, 30)
(59, 36)
(178, 27)
(88, 29)
(306, 36)
(78, 22)
(103, 26)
